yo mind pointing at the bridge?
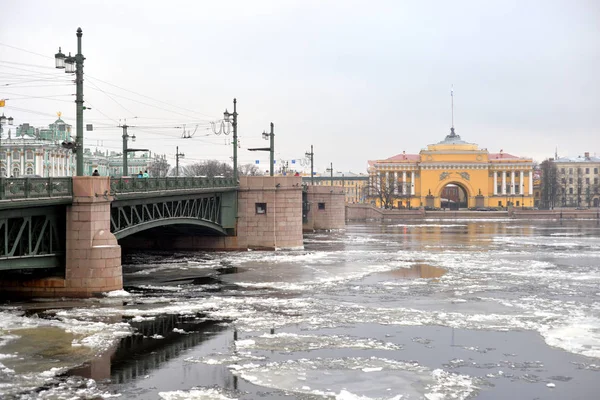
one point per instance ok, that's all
(33, 212)
(63, 236)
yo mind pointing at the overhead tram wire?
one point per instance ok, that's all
(111, 84)
(153, 99)
(146, 104)
(110, 97)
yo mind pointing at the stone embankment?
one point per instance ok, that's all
(368, 212)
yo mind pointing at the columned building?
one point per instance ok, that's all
(451, 174)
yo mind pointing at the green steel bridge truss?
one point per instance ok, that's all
(33, 213)
(32, 238)
(128, 217)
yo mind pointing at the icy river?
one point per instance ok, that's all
(462, 309)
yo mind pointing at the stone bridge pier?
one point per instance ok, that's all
(92, 254)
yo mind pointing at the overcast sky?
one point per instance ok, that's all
(359, 80)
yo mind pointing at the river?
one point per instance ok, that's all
(455, 309)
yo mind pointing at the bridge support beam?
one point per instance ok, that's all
(93, 256)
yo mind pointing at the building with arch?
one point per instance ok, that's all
(451, 174)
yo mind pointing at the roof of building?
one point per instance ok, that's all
(453, 138)
(501, 156)
(578, 159)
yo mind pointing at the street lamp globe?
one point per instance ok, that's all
(70, 64)
(10, 120)
(133, 138)
(226, 115)
(265, 135)
(60, 59)
(2, 119)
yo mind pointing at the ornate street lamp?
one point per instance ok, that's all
(74, 64)
(232, 118)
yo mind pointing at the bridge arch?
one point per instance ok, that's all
(144, 226)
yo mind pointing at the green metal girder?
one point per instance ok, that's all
(166, 222)
(35, 262)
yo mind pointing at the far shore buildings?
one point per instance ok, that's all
(353, 185)
(451, 174)
(579, 181)
(30, 151)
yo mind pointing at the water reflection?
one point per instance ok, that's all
(418, 271)
(155, 342)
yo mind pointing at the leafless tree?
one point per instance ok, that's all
(249, 170)
(159, 168)
(550, 187)
(209, 168)
(386, 191)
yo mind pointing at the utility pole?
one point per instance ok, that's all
(270, 149)
(178, 155)
(75, 64)
(226, 116)
(125, 152)
(311, 155)
(330, 169)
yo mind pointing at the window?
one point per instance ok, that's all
(16, 172)
(29, 171)
(571, 171)
(570, 190)
(29, 155)
(587, 170)
(595, 181)
(499, 204)
(562, 170)
(595, 170)
(2, 156)
(16, 155)
(587, 181)
(570, 181)
(321, 206)
(261, 208)
(517, 203)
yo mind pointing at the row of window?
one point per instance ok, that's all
(587, 181)
(580, 170)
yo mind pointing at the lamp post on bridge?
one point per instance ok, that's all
(311, 155)
(226, 116)
(75, 65)
(270, 149)
(127, 150)
(178, 155)
(330, 170)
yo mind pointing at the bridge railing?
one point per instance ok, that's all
(35, 188)
(134, 185)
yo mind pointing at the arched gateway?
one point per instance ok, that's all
(454, 174)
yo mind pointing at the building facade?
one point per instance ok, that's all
(38, 152)
(451, 174)
(353, 185)
(579, 181)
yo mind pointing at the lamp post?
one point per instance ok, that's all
(270, 149)
(226, 116)
(311, 155)
(127, 150)
(330, 170)
(75, 65)
(178, 155)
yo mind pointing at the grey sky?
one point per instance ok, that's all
(359, 80)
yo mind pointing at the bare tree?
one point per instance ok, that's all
(209, 168)
(383, 190)
(550, 187)
(159, 168)
(249, 170)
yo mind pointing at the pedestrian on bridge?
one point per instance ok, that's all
(96, 173)
(146, 174)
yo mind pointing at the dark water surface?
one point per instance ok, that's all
(431, 310)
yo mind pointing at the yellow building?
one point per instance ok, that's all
(451, 174)
(353, 185)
